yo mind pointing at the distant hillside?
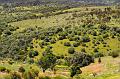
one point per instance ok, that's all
(85, 1)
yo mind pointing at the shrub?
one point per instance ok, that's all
(85, 39)
(95, 50)
(67, 44)
(2, 69)
(21, 69)
(114, 54)
(47, 39)
(52, 41)
(33, 53)
(83, 44)
(98, 54)
(76, 44)
(36, 53)
(83, 50)
(46, 77)
(10, 62)
(71, 39)
(48, 60)
(75, 70)
(71, 50)
(15, 75)
(61, 38)
(94, 33)
(31, 61)
(31, 74)
(105, 35)
(99, 60)
(76, 38)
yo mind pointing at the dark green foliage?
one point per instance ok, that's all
(98, 54)
(85, 39)
(33, 53)
(77, 61)
(83, 50)
(36, 53)
(95, 50)
(52, 41)
(7, 32)
(21, 69)
(94, 33)
(83, 44)
(80, 59)
(75, 70)
(2, 69)
(103, 27)
(48, 60)
(31, 61)
(105, 35)
(46, 77)
(67, 44)
(10, 62)
(71, 50)
(31, 73)
(114, 54)
(15, 75)
(99, 60)
(76, 44)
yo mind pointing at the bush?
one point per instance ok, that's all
(21, 69)
(114, 54)
(52, 41)
(99, 60)
(10, 62)
(2, 69)
(31, 61)
(32, 73)
(33, 53)
(94, 33)
(75, 70)
(83, 50)
(95, 50)
(46, 77)
(61, 37)
(76, 44)
(85, 39)
(105, 35)
(15, 75)
(98, 54)
(71, 50)
(36, 53)
(67, 44)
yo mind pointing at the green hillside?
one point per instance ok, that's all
(57, 40)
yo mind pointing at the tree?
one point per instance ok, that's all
(48, 60)
(79, 60)
(75, 70)
(99, 60)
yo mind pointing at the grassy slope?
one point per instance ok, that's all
(106, 70)
(58, 48)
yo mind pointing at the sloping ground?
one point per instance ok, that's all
(108, 69)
